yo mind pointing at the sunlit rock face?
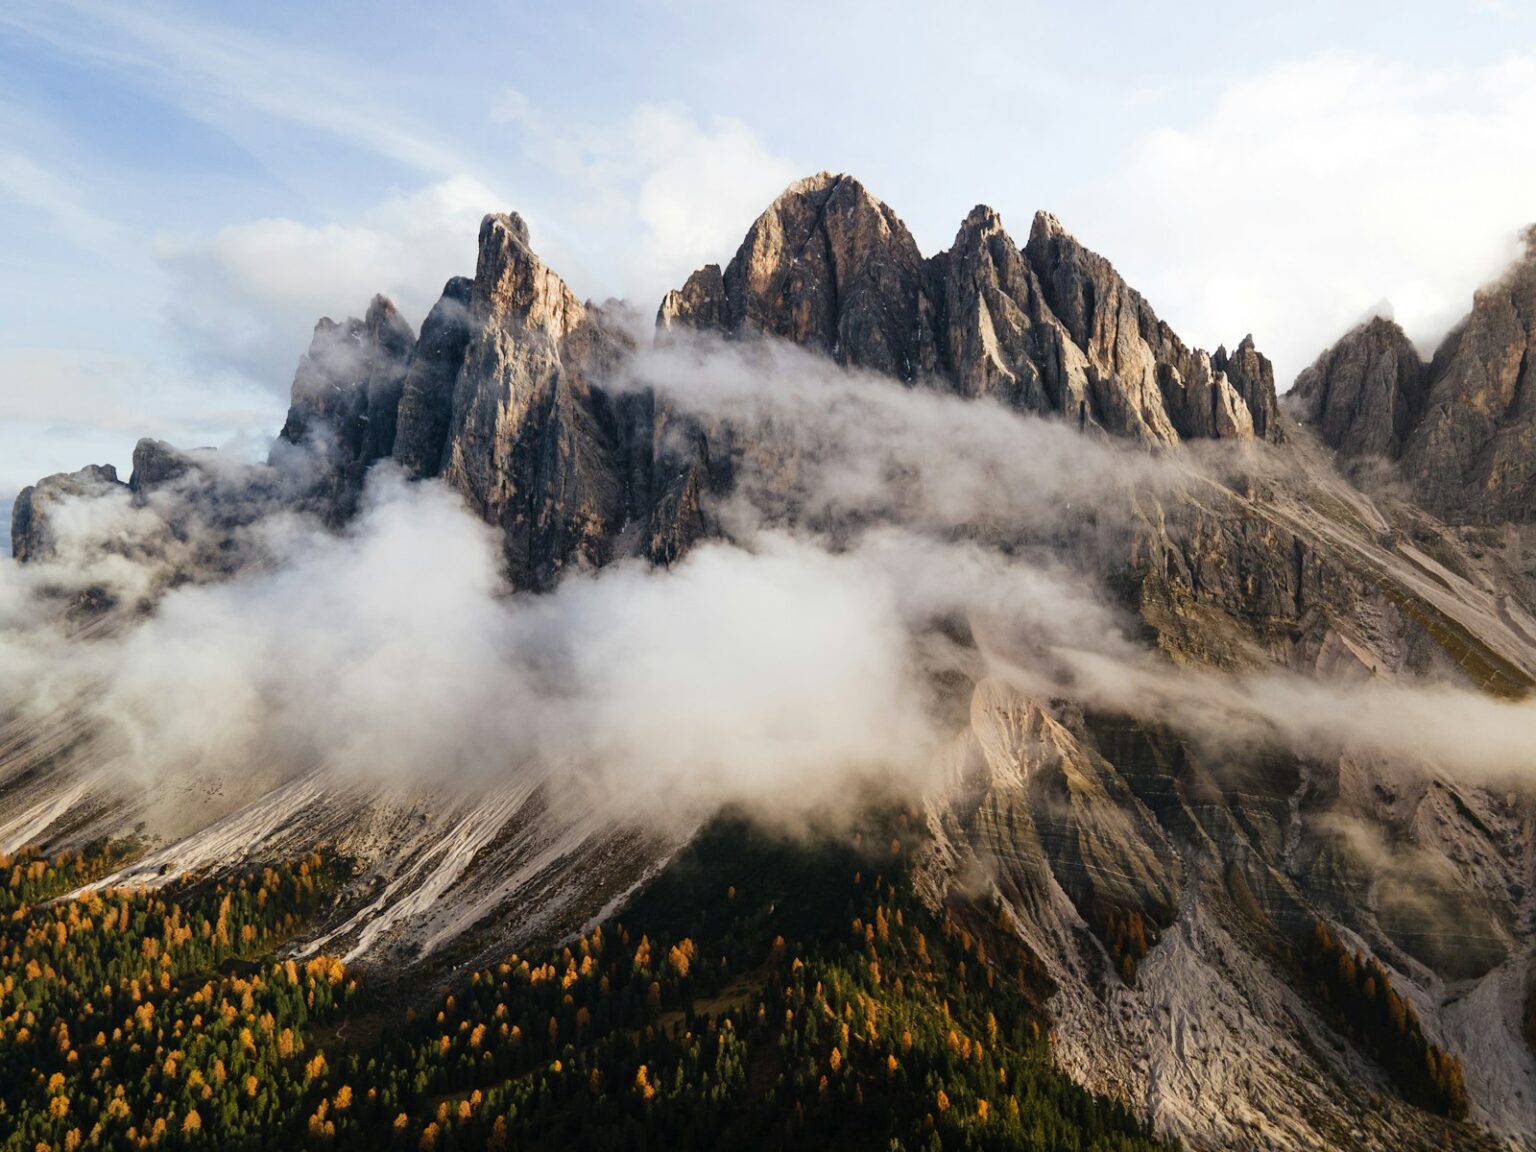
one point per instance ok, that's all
(1048, 328)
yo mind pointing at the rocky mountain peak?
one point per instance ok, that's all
(502, 392)
(830, 266)
(383, 321)
(31, 538)
(1147, 383)
(512, 284)
(426, 399)
(1050, 328)
(1462, 427)
(345, 397)
(1045, 227)
(155, 463)
(982, 219)
(1366, 393)
(1253, 376)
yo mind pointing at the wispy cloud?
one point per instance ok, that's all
(221, 75)
(1309, 191)
(247, 296)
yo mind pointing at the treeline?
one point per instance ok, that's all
(758, 995)
(31, 877)
(118, 1029)
(761, 996)
(1356, 994)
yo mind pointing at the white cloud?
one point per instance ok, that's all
(645, 202)
(249, 295)
(700, 188)
(1313, 190)
(64, 408)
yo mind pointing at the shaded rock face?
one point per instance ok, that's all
(31, 538)
(529, 442)
(1146, 383)
(1250, 372)
(426, 399)
(1000, 338)
(1051, 328)
(1473, 455)
(501, 397)
(1463, 426)
(1366, 394)
(1053, 812)
(346, 394)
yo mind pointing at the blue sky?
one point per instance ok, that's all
(184, 188)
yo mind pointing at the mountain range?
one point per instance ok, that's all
(1229, 717)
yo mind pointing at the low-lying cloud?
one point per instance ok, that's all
(878, 541)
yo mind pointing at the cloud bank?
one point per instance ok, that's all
(879, 542)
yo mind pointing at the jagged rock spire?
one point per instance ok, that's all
(827, 266)
(1049, 328)
(1462, 427)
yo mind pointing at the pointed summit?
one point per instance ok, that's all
(1367, 392)
(828, 266)
(1050, 328)
(511, 283)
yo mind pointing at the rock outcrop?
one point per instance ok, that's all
(346, 394)
(155, 464)
(529, 441)
(1461, 427)
(1366, 393)
(827, 266)
(32, 538)
(1051, 328)
(1250, 372)
(426, 399)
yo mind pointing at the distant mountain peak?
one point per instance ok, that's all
(1461, 427)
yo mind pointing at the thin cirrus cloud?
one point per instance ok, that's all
(232, 80)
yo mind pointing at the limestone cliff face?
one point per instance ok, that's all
(1000, 338)
(156, 464)
(1053, 813)
(1366, 393)
(1462, 426)
(1050, 328)
(1146, 382)
(827, 266)
(346, 393)
(528, 440)
(1474, 454)
(1251, 373)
